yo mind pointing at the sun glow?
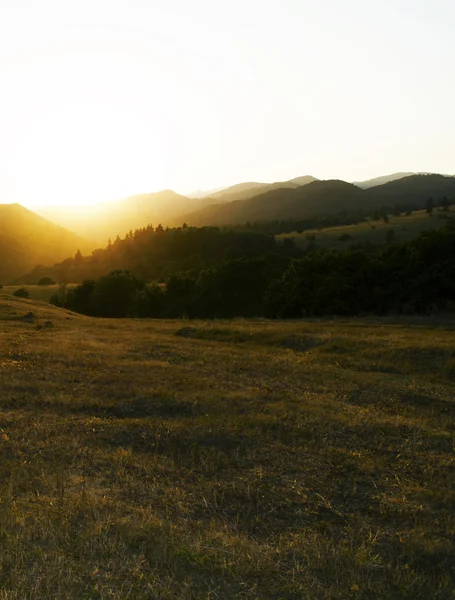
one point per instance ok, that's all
(102, 101)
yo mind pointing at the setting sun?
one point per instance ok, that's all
(101, 101)
(227, 299)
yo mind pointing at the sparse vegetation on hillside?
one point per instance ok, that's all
(164, 460)
(407, 226)
(326, 198)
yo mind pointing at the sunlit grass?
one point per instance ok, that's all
(41, 293)
(404, 227)
(241, 459)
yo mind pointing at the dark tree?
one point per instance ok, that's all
(46, 281)
(390, 236)
(78, 258)
(21, 293)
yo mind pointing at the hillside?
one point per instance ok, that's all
(109, 219)
(27, 239)
(381, 180)
(375, 232)
(155, 253)
(315, 198)
(414, 190)
(301, 197)
(321, 198)
(246, 190)
(158, 460)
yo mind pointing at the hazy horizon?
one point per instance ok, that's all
(106, 101)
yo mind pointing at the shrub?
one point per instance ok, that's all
(21, 293)
(46, 281)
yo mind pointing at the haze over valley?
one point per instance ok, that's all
(243, 202)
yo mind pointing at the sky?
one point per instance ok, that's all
(101, 99)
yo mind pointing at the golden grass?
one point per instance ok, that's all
(405, 227)
(42, 293)
(237, 459)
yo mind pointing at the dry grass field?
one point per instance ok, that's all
(404, 227)
(220, 460)
(41, 293)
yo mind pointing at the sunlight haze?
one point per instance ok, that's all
(101, 100)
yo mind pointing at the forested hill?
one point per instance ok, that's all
(413, 191)
(324, 198)
(246, 190)
(26, 239)
(417, 276)
(109, 219)
(155, 253)
(316, 198)
(368, 183)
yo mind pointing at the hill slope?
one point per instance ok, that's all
(381, 180)
(404, 227)
(27, 239)
(246, 190)
(151, 459)
(317, 197)
(109, 219)
(322, 198)
(414, 190)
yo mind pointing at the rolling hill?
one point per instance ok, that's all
(27, 239)
(414, 190)
(249, 189)
(404, 227)
(312, 199)
(109, 219)
(381, 180)
(322, 198)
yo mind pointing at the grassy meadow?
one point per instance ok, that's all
(41, 293)
(148, 459)
(405, 227)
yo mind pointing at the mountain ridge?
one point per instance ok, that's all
(324, 197)
(27, 239)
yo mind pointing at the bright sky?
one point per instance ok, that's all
(101, 99)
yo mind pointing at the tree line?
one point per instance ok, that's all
(417, 276)
(343, 217)
(154, 253)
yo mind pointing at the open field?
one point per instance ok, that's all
(237, 459)
(41, 293)
(405, 227)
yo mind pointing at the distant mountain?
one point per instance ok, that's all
(204, 193)
(413, 190)
(322, 198)
(314, 198)
(303, 180)
(297, 198)
(27, 239)
(245, 186)
(249, 189)
(109, 219)
(382, 180)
